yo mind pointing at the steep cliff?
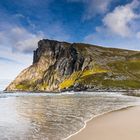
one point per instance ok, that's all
(61, 66)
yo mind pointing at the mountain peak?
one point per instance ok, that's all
(62, 66)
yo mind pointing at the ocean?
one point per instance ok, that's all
(50, 116)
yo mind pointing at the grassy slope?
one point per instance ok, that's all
(109, 69)
(104, 68)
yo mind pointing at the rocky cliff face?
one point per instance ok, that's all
(61, 66)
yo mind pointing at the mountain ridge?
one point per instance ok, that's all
(59, 66)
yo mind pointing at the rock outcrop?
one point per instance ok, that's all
(61, 66)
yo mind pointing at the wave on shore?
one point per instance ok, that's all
(44, 116)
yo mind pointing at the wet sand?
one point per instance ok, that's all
(119, 125)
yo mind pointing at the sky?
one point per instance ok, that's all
(110, 23)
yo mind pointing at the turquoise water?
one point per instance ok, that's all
(41, 116)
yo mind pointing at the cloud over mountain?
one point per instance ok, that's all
(20, 39)
(120, 20)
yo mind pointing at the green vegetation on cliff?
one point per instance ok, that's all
(63, 66)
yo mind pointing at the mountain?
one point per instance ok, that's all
(59, 66)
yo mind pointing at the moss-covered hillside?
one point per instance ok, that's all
(59, 66)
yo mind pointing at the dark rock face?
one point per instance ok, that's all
(61, 60)
(67, 59)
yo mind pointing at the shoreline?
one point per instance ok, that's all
(94, 117)
(64, 91)
(93, 121)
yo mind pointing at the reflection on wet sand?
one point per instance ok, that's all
(53, 117)
(49, 116)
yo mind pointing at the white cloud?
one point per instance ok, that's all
(96, 7)
(17, 45)
(24, 41)
(107, 40)
(21, 16)
(93, 7)
(20, 39)
(17, 62)
(121, 19)
(120, 28)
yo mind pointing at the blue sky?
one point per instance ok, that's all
(110, 23)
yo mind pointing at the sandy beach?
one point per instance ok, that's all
(118, 125)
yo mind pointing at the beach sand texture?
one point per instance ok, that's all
(119, 125)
